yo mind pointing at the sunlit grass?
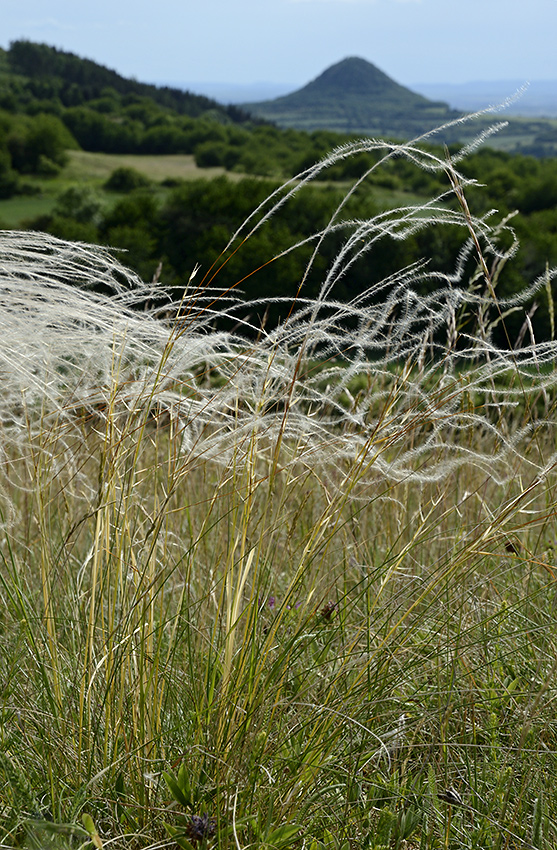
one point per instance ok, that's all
(289, 587)
(157, 168)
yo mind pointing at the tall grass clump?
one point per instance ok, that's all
(286, 586)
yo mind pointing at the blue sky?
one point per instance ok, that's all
(292, 41)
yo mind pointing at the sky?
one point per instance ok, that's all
(292, 41)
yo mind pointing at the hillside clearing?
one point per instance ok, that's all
(87, 165)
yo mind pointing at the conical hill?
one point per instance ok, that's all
(354, 96)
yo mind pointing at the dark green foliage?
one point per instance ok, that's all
(167, 138)
(8, 176)
(126, 179)
(68, 228)
(210, 154)
(9, 181)
(38, 145)
(199, 218)
(97, 132)
(132, 226)
(79, 203)
(76, 215)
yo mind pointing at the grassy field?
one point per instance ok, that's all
(94, 169)
(285, 588)
(14, 212)
(99, 166)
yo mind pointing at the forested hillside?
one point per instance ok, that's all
(50, 74)
(51, 101)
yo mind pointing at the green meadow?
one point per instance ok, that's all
(92, 170)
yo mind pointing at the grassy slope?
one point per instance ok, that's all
(323, 648)
(93, 169)
(323, 600)
(85, 165)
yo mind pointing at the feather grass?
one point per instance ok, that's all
(286, 586)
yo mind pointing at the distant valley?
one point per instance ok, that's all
(538, 100)
(353, 96)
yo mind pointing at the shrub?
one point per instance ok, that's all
(9, 179)
(126, 179)
(32, 142)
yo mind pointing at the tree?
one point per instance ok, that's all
(34, 141)
(79, 203)
(8, 177)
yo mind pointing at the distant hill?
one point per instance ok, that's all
(354, 96)
(539, 100)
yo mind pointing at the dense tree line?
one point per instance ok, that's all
(31, 145)
(194, 221)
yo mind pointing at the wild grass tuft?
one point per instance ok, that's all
(286, 586)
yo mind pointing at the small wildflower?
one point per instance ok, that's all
(328, 610)
(270, 601)
(200, 827)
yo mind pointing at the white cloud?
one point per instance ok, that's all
(47, 23)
